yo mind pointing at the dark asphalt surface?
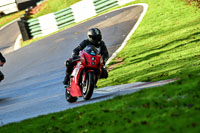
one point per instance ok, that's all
(34, 74)
(8, 36)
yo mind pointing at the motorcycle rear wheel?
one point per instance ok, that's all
(89, 87)
(70, 98)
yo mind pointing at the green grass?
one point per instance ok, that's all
(165, 45)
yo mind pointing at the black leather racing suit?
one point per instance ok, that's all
(102, 49)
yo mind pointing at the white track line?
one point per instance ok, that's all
(17, 44)
(145, 6)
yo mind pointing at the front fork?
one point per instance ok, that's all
(85, 76)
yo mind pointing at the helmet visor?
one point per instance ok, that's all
(96, 38)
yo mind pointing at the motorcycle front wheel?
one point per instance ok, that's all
(70, 98)
(89, 86)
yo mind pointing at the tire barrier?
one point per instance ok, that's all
(49, 23)
(78, 12)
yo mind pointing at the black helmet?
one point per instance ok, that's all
(94, 36)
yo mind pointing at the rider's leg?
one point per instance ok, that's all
(69, 68)
(66, 79)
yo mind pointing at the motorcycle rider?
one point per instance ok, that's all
(95, 39)
(2, 61)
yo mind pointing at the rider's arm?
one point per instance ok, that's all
(80, 47)
(104, 52)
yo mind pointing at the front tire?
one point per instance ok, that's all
(89, 87)
(70, 98)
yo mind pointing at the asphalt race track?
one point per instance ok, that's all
(34, 74)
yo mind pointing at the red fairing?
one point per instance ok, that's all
(86, 60)
(76, 91)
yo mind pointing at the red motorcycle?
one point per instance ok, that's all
(84, 75)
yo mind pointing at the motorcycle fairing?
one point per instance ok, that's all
(76, 91)
(95, 63)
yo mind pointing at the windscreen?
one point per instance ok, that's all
(90, 49)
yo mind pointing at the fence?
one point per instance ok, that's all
(78, 12)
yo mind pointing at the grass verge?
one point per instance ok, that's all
(172, 108)
(165, 45)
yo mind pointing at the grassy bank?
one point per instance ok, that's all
(171, 108)
(165, 45)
